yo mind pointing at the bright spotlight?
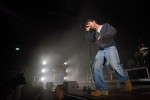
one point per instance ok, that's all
(43, 70)
(44, 62)
(65, 63)
(17, 48)
(65, 78)
(42, 78)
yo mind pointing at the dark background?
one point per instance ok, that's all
(51, 29)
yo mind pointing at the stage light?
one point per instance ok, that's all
(43, 70)
(42, 78)
(17, 48)
(44, 62)
(68, 78)
(65, 63)
(65, 78)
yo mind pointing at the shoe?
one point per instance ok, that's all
(99, 93)
(128, 85)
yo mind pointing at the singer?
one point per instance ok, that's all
(102, 35)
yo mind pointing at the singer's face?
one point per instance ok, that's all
(91, 24)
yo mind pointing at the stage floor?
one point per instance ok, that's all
(140, 92)
(115, 94)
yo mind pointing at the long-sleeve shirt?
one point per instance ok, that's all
(106, 33)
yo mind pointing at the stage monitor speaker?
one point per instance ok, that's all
(138, 73)
(49, 85)
(71, 86)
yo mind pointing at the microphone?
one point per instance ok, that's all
(84, 26)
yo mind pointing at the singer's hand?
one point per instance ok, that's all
(87, 28)
(99, 37)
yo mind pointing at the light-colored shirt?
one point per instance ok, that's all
(99, 28)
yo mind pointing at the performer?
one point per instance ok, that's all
(102, 35)
(59, 74)
(143, 50)
(141, 55)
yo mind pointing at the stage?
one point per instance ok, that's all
(139, 78)
(140, 91)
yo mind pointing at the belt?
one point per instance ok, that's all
(101, 48)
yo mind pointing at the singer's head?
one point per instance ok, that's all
(91, 24)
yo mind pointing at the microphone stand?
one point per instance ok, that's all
(91, 69)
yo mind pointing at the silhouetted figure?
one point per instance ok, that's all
(141, 56)
(9, 88)
(59, 93)
(59, 74)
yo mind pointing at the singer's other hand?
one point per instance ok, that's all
(99, 37)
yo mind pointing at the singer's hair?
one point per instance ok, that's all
(89, 20)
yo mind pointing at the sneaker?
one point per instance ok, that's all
(128, 86)
(99, 93)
